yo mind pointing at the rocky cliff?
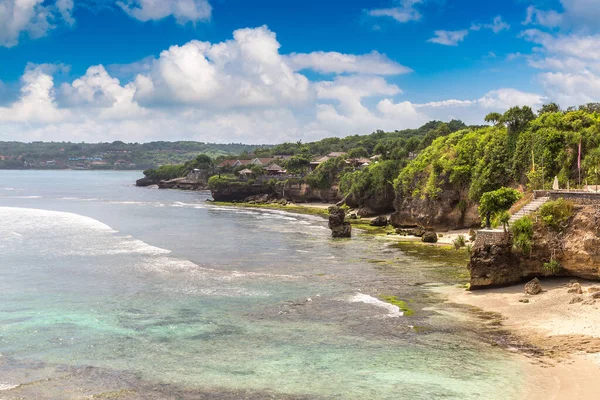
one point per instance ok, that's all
(449, 210)
(297, 192)
(575, 250)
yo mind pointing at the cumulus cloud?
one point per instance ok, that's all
(247, 71)
(449, 38)
(373, 63)
(32, 17)
(239, 90)
(405, 11)
(183, 11)
(497, 25)
(571, 63)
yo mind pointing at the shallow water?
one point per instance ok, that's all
(105, 287)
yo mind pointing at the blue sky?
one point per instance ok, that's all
(267, 71)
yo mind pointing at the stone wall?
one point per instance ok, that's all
(578, 197)
(491, 237)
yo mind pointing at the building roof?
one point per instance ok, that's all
(245, 171)
(244, 162)
(334, 154)
(227, 163)
(263, 161)
(274, 167)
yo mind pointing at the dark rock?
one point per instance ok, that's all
(379, 221)
(353, 216)
(533, 287)
(589, 302)
(594, 289)
(494, 265)
(366, 212)
(524, 301)
(595, 295)
(429, 237)
(339, 227)
(145, 182)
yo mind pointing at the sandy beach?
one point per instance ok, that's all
(561, 329)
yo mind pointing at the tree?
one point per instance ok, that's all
(497, 201)
(517, 118)
(549, 108)
(494, 118)
(358, 152)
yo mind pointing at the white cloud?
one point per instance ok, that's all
(18, 16)
(449, 38)
(239, 90)
(404, 12)
(571, 63)
(183, 11)
(498, 25)
(373, 63)
(550, 18)
(37, 103)
(247, 71)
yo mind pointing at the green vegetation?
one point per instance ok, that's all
(459, 242)
(322, 212)
(522, 230)
(555, 214)
(402, 305)
(496, 203)
(552, 267)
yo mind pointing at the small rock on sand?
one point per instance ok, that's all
(524, 301)
(595, 295)
(589, 302)
(575, 288)
(533, 287)
(594, 289)
(576, 299)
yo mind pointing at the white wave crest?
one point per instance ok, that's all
(393, 311)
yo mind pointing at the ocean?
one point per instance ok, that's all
(115, 291)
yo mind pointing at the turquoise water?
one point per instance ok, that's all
(105, 286)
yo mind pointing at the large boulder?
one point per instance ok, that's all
(145, 182)
(429, 237)
(379, 221)
(533, 287)
(366, 212)
(339, 227)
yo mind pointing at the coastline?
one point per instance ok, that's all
(563, 339)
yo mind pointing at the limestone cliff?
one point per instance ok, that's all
(449, 210)
(576, 249)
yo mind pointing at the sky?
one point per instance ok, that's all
(269, 71)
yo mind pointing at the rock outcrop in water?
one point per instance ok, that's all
(339, 227)
(574, 251)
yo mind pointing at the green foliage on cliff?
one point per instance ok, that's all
(328, 173)
(217, 182)
(556, 214)
(374, 180)
(473, 161)
(522, 230)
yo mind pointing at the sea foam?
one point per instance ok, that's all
(393, 311)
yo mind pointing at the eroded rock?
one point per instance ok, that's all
(575, 288)
(429, 237)
(533, 287)
(339, 227)
(379, 221)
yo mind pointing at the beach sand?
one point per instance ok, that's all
(564, 361)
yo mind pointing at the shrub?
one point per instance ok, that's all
(522, 230)
(218, 182)
(552, 267)
(555, 214)
(503, 219)
(494, 203)
(459, 242)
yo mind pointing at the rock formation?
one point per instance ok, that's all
(576, 249)
(429, 237)
(339, 227)
(379, 221)
(533, 287)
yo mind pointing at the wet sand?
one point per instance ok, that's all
(565, 334)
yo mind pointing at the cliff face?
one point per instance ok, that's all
(576, 249)
(448, 211)
(291, 191)
(302, 193)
